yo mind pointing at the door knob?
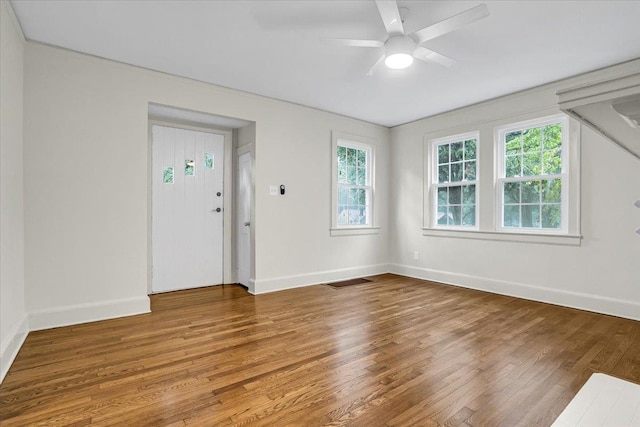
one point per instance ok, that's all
(218, 194)
(247, 223)
(217, 210)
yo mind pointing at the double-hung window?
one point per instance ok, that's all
(532, 176)
(529, 188)
(454, 181)
(353, 185)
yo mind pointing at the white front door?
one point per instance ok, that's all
(187, 203)
(243, 219)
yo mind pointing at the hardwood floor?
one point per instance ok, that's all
(393, 352)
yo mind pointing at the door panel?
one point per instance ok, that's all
(187, 229)
(243, 219)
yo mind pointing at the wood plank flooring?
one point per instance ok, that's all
(393, 352)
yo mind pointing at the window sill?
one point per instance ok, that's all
(354, 231)
(549, 239)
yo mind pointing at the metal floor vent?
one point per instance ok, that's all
(351, 282)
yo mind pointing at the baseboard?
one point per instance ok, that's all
(582, 301)
(12, 345)
(252, 286)
(296, 281)
(83, 313)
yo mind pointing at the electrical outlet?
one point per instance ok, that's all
(274, 190)
(416, 255)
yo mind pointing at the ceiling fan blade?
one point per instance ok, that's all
(355, 43)
(370, 72)
(390, 16)
(450, 24)
(431, 56)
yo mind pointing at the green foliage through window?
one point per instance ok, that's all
(533, 152)
(354, 186)
(167, 176)
(456, 188)
(189, 168)
(208, 160)
(457, 161)
(532, 185)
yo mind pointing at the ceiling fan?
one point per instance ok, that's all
(400, 48)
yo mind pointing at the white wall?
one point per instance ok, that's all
(292, 238)
(13, 319)
(602, 274)
(86, 186)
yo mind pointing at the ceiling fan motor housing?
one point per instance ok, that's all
(399, 51)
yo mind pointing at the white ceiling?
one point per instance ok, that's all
(275, 48)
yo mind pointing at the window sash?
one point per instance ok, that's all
(367, 166)
(436, 185)
(502, 131)
(502, 179)
(436, 205)
(367, 207)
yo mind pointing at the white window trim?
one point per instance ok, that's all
(503, 236)
(432, 181)
(360, 142)
(500, 133)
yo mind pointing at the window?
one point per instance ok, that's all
(167, 175)
(454, 188)
(353, 185)
(532, 176)
(527, 191)
(189, 168)
(208, 160)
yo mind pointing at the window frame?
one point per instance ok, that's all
(339, 139)
(434, 183)
(500, 170)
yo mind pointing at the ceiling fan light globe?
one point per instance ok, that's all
(399, 52)
(398, 61)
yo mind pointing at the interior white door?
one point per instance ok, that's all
(243, 219)
(187, 204)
